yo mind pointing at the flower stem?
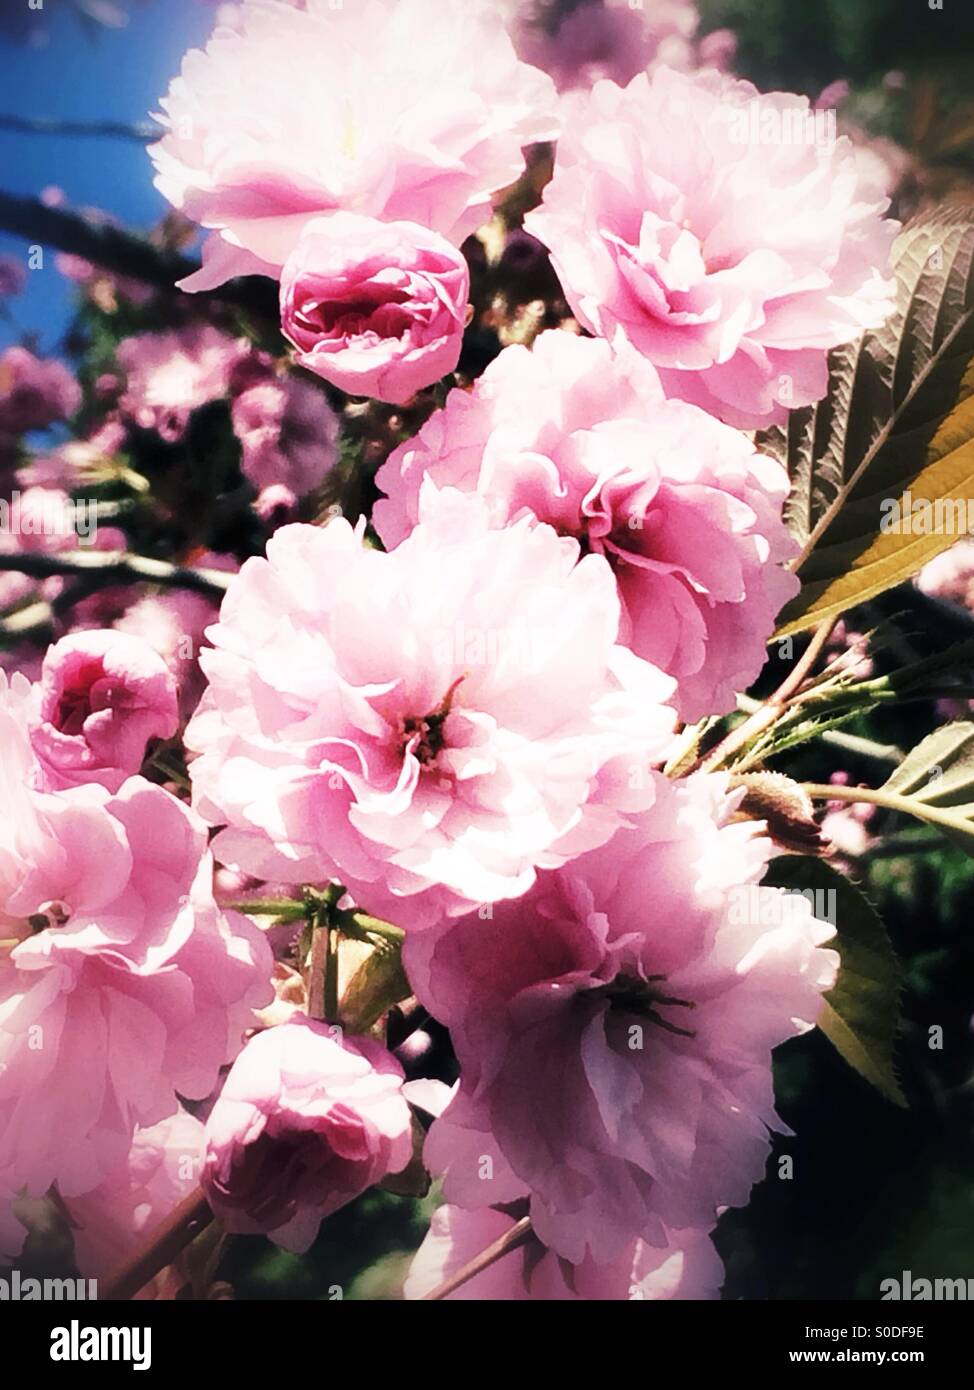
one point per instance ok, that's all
(285, 908)
(517, 1236)
(163, 1244)
(770, 709)
(942, 816)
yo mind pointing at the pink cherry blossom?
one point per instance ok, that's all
(608, 38)
(725, 234)
(174, 624)
(13, 276)
(171, 374)
(34, 392)
(305, 1122)
(39, 520)
(684, 509)
(614, 1028)
(277, 120)
(126, 986)
(103, 696)
(288, 434)
(685, 1266)
(378, 309)
(427, 726)
(950, 575)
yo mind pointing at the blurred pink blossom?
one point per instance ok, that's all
(288, 433)
(34, 392)
(607, 39)
(170, 374)
(685, 1266)
(161, 1168)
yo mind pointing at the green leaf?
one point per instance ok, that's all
(898, 419)
(860, 1015)
(939, 773)
(940, 770)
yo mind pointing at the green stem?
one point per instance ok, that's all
(374, 927)
(286, 908)
(942, 817)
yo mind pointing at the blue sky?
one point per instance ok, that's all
(118, 75)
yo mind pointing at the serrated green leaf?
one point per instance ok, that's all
(940, 770)
(939, 773)
(860, 1015)
(898, 418)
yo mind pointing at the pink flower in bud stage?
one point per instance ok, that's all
(306, 1121)
(103, 696)
(376, 308)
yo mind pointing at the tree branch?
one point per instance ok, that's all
(120, 252)
(164, 1244)
(101, 568)
(143, 131)
(517, 1236)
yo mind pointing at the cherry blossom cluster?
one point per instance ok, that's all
(460, 714)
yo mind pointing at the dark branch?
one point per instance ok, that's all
(103, 568)
(143, 132)
(122, 253)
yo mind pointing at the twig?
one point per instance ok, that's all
(838, 738)
(112, 567)
(143, 131)
(288, 909)
(517, 1236)
(119, 251)
(771, 708)
(162, 1246)
(318, 1001)
(891, 801)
